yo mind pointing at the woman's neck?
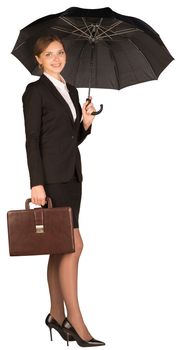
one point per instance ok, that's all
(55, 75)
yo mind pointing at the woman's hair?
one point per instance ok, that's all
(42, 43)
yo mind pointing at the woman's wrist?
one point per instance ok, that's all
(86, 125)
(37, 186)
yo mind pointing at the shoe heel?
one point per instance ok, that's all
(67, 339)
(50, 333)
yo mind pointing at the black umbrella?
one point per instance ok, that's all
(104, 49)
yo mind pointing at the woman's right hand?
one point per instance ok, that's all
(38, 195)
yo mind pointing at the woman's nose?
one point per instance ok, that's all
(56, 57)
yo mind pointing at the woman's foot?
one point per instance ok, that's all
(71, 331)
(80, 328)
(52, 323)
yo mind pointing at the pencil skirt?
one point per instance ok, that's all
(66, 194)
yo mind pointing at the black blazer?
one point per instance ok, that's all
(52, 136)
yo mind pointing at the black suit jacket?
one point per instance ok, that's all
(52, 136)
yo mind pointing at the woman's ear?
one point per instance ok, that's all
(39, 64)
(38, 59)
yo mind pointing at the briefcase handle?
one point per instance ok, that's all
(29, 200)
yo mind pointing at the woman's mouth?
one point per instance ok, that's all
(56, 65)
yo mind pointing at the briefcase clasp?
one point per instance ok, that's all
(39, 228)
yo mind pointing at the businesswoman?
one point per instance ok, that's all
(55, 125)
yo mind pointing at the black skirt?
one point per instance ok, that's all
(66, 194)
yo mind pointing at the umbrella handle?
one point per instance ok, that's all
(94, 113)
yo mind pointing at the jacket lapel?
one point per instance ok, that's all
(56, 93)
(75, 102)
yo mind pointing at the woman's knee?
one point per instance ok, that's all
(78, 242)
(54, 259)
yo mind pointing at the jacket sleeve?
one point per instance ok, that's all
(32, 108)
(82, 133)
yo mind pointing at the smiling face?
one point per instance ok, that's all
(52, 58)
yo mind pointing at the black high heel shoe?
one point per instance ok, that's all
(52, 323)
(70, 331)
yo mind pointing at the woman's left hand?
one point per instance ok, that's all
(87, 116)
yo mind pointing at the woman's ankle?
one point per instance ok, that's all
(58, 317)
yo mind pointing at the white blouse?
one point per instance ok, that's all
(62, 89)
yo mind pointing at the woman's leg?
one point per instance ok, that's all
(57, 304)
(63, 286)
(68, 274)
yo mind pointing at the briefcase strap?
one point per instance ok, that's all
(39, 220)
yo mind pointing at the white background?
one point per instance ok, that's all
(128, 272)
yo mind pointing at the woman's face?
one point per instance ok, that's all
(53, 58)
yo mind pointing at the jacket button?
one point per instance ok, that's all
(72, 137)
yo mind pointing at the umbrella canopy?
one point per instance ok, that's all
(104, 49)
(125, 49)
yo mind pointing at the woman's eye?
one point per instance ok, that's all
(50, 54)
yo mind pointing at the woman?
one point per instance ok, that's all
(55, 125)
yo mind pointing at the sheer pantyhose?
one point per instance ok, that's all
(63, 286)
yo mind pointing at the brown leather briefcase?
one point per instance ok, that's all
(40, 230)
